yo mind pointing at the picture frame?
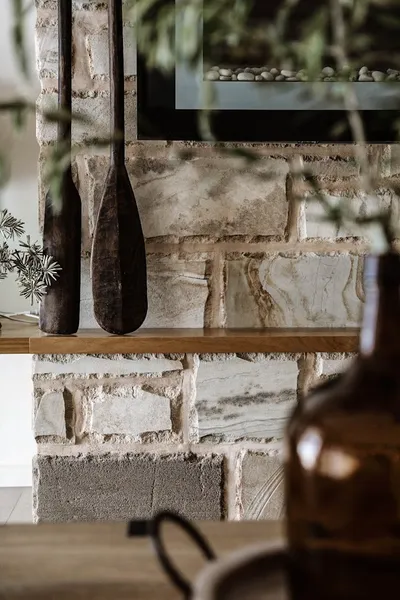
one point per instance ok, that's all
(169, 107)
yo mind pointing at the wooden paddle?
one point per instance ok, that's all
(118, 254)
(59, 310)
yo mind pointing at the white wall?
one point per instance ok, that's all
(17, 445)
(20, 197)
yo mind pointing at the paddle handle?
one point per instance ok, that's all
(59, 309)
(117, 82)
(65, 68)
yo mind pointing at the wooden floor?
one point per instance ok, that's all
(15, 505)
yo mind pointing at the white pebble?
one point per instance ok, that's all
(291, 79)
(393, 72)
(246, 76)
(391, 77)
(328, 72)
(214, 69)
(267, 76)
(248, 70)
(259, 78)
(223, 78)
(225, 72)
(280, 78)
(234, 77)
(378, 76)
(274, 71)
(364, 77)
(363, 71)
(212, 76)
(288, 73)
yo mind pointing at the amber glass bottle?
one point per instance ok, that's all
(343, 463)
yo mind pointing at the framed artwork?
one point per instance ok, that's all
(259, 101)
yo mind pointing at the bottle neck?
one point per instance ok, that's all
(380, 335)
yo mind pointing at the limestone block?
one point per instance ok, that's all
(116, 365)
(262, 488)
(307, 290)
(47, 52)
(97, 47)
(50, 416)
(131, 414)
(237, 399)
(205, 196)
(95, 108)
(178, 291)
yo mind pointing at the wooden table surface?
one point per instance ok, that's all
(19, 338)
(98, 561)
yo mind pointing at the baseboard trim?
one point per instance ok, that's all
(15, 475)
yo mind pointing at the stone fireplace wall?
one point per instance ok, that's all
(120, 436)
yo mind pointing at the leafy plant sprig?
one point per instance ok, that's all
(35, 271)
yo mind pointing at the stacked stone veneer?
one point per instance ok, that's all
(122, 436)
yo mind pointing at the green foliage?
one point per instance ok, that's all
(35, 271)
(20, 10)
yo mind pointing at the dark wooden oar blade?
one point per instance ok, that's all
(59, 310)
(118, 254)
(119, 276)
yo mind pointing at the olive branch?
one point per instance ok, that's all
(35, 271)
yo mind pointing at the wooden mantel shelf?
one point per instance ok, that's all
(18, 338)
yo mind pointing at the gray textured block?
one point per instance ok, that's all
(130, 486)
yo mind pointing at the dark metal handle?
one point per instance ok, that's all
(153, 529)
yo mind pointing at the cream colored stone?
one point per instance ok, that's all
(333, 168)
(201, 197)
(87, 319)
(361, 205)
(178, 292)
(92, 365)
(97, 47)
(50, 416)
(47, 51)
(90, 4)
(133, 415)
(237, 399)
(262, 490)
(331, 367)
(95, 107)
(308, 290)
